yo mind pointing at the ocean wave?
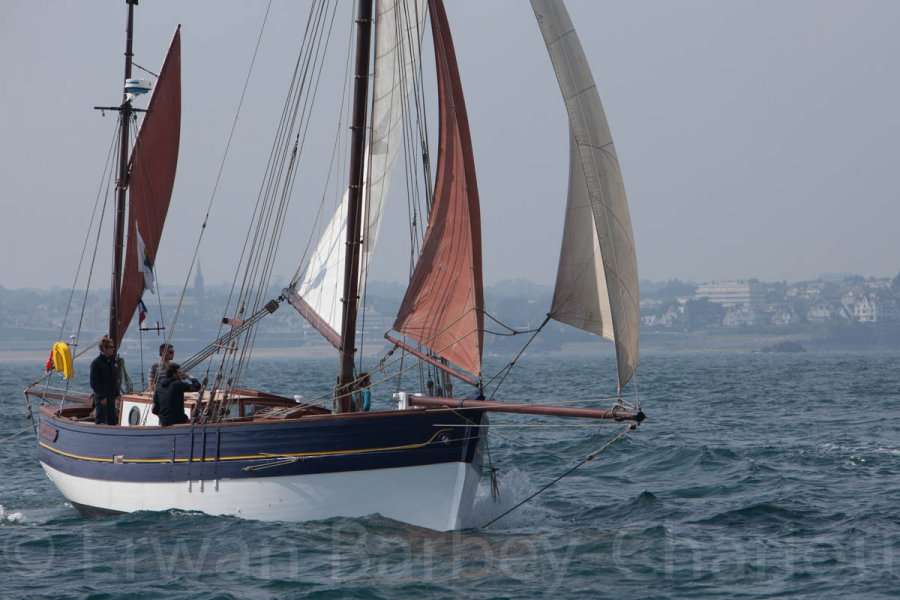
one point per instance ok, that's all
(7, 516)
(769, 514)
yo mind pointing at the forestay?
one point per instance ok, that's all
(398, 33)
(597, 281)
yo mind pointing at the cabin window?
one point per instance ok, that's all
(134, 416)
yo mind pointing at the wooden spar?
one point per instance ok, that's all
(121, 187)
(528, 409)
(317, 322)
(431, 361)
(342, 399)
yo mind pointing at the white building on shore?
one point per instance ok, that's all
(870, 307)
(823, 311)
(732, 293)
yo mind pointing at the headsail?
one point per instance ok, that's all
(317, 296)
(442, 308)
(152, 177)
(597, 281)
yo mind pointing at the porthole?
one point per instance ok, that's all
(134, 416)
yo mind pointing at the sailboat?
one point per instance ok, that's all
(258, 455)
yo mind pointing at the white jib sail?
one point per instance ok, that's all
(597, 281)
(398, 33)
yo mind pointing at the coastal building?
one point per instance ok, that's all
(824, 311)
(870, 307)
(732, 293)
(742, 315)
(668, 317)
(650, 304)
(878, 283)
(805, 290)
(782, 316)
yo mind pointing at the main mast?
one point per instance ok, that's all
(343, 399)
(121, 186)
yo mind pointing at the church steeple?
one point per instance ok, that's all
(198, 283)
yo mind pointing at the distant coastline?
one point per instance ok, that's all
(651, 342)
(832, 312)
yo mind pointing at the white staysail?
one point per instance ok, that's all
(597, 281)
(398, 33)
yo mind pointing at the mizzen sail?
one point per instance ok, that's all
(317, 296)
(597, 280)
(150, 182)
(442, 308)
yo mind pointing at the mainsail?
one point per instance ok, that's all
(398, 33)
(442, 308)
(597, 281)
(150, 183)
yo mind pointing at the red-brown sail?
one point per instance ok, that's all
(152, 176)
(442, 308)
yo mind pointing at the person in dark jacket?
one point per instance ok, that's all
(166, 355)
(105, 383)
(169, 396)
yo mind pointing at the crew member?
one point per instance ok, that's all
(364, 399)
(166, 354)
(169, 395)
(105, 383)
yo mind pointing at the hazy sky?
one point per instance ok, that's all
(756, 138)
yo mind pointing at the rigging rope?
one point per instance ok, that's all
(260, 265)
(227, 360)
(505, 371)
(564, 474)
(87, 235)
(212, 197)
(108, 177)
(414, 136)
(254, 269)
(511, 330)
(145, 70)
(90, 276)
(335, 152)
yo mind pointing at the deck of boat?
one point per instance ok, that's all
(252, 405)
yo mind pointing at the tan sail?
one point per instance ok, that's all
(442, 308)
(151, 179)
(597, 281)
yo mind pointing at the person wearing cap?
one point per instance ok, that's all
(168, 400)
(166, 355)
(105, 383)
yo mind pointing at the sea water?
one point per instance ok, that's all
(754, 476)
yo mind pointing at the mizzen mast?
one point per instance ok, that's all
(121, 186)
(343, 398)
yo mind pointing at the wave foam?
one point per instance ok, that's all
(10, 517)
(515, 485)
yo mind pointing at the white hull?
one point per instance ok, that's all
(438, 496)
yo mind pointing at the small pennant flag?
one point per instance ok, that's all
(142, 312)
